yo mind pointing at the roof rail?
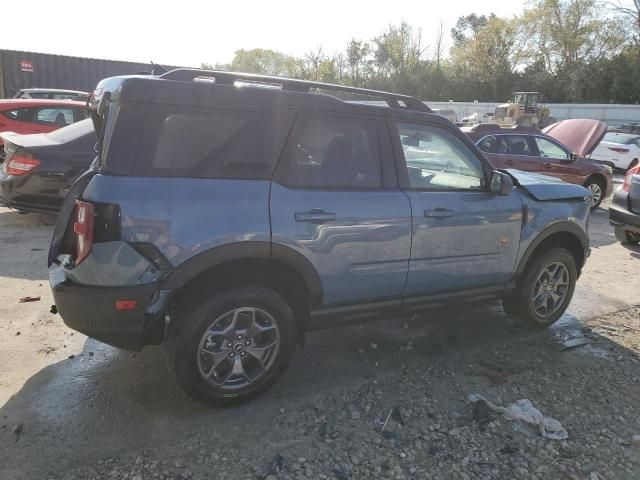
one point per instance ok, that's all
(294, 85)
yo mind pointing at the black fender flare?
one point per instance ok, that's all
(246, 250)
(564, 226)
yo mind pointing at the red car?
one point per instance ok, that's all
(561, 150)
(39, 116)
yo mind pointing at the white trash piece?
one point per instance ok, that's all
(524, 411)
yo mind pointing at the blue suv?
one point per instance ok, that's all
(227, 214)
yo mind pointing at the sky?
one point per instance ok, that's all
(190, 32)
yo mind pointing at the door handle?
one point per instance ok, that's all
(508, 162)
(546, 165)
(315, 216)
(439, 213)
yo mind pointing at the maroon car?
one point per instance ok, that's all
(560, 150)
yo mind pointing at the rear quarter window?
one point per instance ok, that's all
(202, 143)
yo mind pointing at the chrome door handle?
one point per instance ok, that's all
(546, 165)
(315, 216)
(439, 213)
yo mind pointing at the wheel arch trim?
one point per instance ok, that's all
(249, 250)
(559, 227)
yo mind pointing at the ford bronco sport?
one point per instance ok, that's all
(228, 214)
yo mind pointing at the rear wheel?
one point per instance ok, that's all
(232, 345)
(597, 192)
(545, 290)
(627, 236)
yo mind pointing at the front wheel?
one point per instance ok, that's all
(597, 189)
(627, 236)
(232, 345)
(545, 290)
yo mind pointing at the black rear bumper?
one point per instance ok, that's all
(91, 311)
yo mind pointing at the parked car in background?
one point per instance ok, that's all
(39, 168)
(618, 150)
(26, 116)
(624, 213)
(52, 94)
(226, 222)
(560, 150)
(447, 113)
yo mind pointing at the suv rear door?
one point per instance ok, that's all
(335, 200)
(464, 236)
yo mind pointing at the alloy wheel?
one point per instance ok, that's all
(550, 289)
(238, 348)
(596, 193)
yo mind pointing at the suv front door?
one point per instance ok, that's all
(464, 237)
(556, 160)
(335, 200)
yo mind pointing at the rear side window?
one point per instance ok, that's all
(328, 151)
(20, 114)
(517, 145)
(209, 143)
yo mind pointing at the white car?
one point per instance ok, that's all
(619, 150)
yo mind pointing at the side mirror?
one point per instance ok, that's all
(574, 157)
(501, 183)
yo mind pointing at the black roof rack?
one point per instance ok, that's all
(294, 85)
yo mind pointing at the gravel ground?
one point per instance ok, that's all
(430, 430)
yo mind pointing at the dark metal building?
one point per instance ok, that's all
(41, 70)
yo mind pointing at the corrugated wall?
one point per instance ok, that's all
(611, 114)
(40, 70)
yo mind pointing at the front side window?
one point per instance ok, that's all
(517, 145)
(332, 152)
(549, 149)
(436, 159)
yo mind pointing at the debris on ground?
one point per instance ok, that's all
(17, 430)
(53, 309)
(274, 467)
(524, 412)
(572, 343)
(28, 299)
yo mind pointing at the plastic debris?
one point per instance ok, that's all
(525, 412)
(275, 466)
(54, 309)
(575, 342)
(28, 299)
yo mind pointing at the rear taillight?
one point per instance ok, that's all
(619, 150)
(21, 164)
(626, 186)
(83, 229)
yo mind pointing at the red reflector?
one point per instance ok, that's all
(125, 305)
(21, 164)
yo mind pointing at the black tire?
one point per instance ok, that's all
(193, 318)
(601, 185)
(626, 236)
(520, 305)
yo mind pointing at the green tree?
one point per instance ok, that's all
(491, 51)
